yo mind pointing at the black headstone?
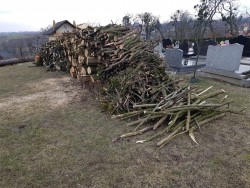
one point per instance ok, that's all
(166, 43)
(204, 46)
(244, 41)
(184, 47)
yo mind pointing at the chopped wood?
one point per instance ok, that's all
(134, 82)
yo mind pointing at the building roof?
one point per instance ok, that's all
(82, 26)
(57, 25)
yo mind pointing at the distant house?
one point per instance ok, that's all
(58, 28)
(82, 26)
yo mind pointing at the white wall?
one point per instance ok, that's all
(63, 29)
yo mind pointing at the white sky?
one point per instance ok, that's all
(24, 15)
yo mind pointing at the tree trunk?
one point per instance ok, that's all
(13, 61)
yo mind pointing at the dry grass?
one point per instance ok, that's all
(52, 134)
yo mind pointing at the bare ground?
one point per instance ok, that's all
(53, 134)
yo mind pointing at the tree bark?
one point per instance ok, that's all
(13, 61)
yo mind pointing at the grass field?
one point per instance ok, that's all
(53, 134)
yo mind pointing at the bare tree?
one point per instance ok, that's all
(216, 29)
(167, 30)
(212, 7)
(248, 12)
(246, 20)
(44, 29)
(229, 13)
(126, 20)
(205, 14)
(181, 21)
(148, 21)
(158, 28)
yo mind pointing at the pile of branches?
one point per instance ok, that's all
(117, 57)
(143, 82)
(182, 111)
(134, 84)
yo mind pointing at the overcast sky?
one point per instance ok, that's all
(32, 15)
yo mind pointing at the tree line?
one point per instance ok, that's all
(20, 44)
(212, 19)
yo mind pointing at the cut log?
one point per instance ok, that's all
(91, 61)
(80, 59)
(74, 62)
(13, 61)
(89, 70)
(70, 58)
(73, 72)
(86, 52)
(82, 71)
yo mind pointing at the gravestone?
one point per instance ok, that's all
(174, 57)
(224, 57)
(244, 41)
(204, 46)
(223, 63)
(184, 47)
(174, 60)
(159, 49)
(166, 43)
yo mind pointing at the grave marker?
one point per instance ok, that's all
(174, 57)
(224, 57)
(204, 46)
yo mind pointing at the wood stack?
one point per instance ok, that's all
(97, 53)
(101, 50)
(106, 53)
(134, 81)
(80, 52)
(53, 56)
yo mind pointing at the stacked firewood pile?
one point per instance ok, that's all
(102, 51)
(52, 56)
(81, 52)
(114, 55)
(134, 84)
(105, 51)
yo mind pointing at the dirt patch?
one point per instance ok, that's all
(58, 93)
